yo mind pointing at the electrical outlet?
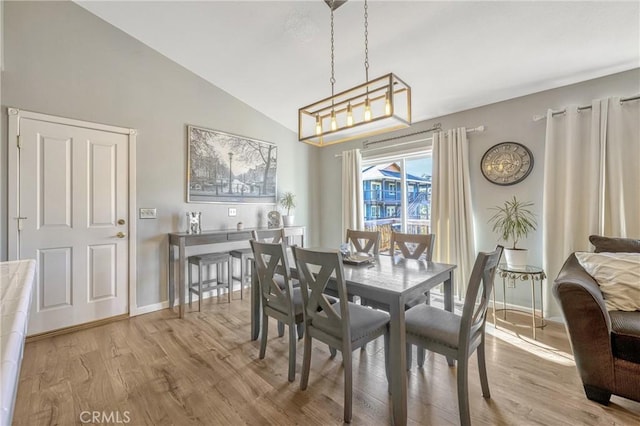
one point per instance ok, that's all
(146, 213)
(232, 211)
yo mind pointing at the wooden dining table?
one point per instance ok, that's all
(392, 281)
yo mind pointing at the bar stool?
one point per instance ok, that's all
(245, 255)
(201, 286)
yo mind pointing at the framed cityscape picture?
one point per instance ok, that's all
(227, 168)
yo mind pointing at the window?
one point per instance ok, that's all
(376, 191)
(390, 207)
(391, 211)
(392, 189)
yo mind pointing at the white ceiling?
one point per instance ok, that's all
(275, 55)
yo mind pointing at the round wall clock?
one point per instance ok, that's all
(507, 163)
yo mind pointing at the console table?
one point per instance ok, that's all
(181, 240)
(528, 273)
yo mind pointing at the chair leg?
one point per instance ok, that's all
(463, 391)
(300, 329)
(482, 368)
(241, 276)
(348, 383)
(387, 370)
(264, 334)
(280, 329)
(189, 284)
(421, 356)
(408, 350)
(218, 275)
(200, 289)
(230, 279)
(292, 351)
(306, 362)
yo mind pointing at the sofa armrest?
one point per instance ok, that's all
(588, 324)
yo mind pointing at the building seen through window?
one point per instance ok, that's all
(397, 196)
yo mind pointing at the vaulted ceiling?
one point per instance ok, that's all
(275, 55)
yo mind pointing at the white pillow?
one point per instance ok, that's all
(618, 275)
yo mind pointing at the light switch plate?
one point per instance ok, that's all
(232, 211)
(147, 213)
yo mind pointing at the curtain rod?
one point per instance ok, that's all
(475, 129)
(434, 128)
(582, 108)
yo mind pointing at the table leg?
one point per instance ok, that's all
(448, 305)
(255, 302)
(171, 279)
(398, 362)
(504, 299)
(181, 261)
(541, 304)
(533, 305)
(494, 308)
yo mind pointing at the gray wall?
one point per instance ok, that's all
(505, 121)
(62, 60)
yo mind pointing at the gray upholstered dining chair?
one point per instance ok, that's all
(279, 299)
(364, 241)
(409, 246)
(244, 255)
(344, 325)
(412, 246)
(457, 337)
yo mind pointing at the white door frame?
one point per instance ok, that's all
(13, 203)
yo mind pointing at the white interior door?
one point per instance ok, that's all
(73, 209)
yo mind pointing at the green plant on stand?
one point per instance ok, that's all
(288, 202)
(512, 222)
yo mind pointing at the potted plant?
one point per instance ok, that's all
(512, 222)
(288, 202)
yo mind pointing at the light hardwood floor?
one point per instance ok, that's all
(156, 369)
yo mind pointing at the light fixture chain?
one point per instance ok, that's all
(332, 80)
(366, 40)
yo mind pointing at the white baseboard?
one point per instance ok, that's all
(141, 310)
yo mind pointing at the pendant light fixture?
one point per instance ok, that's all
(377, 106)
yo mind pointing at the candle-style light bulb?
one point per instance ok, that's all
(334, 123)
(349, 115)
(367, 110)
(318, 125)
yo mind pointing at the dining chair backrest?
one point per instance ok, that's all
(364, 241)
(268, 235)
(271, 262)
(412, 246)
(476, 302)
(315, 270)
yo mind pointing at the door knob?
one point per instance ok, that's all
(121, 222)
(121, 235)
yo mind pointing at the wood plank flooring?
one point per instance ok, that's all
(156, 369)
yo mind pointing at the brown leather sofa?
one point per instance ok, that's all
(606, 344)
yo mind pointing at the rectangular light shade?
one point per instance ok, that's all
(377, 106)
